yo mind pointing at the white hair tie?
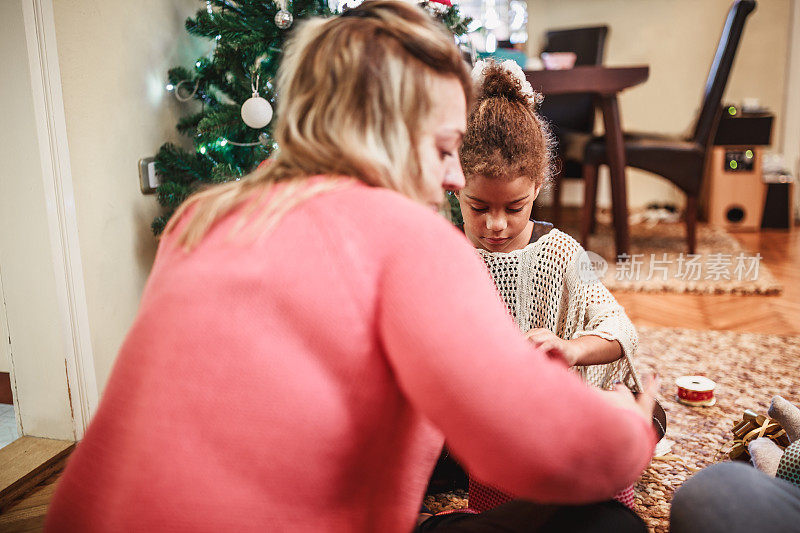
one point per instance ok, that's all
(511, 66)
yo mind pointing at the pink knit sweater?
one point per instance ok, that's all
(305, 382)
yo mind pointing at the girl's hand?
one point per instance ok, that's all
(585, 350)
(553, 345)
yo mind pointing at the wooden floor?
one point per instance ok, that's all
(778, 315)
(27, 515)
(24, 463)
(758, 314)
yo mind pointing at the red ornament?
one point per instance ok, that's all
(447, 3)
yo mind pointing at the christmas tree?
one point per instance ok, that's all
(231, 130)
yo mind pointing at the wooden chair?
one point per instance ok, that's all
(571, 116)
(680, 160)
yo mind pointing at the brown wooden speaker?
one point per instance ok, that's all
(736, 188)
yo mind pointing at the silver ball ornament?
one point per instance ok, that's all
(283, 19)
(263, 138)
(256, 112)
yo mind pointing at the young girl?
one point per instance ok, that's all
(543, 275)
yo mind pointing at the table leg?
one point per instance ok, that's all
(589, 202)
(616, 163)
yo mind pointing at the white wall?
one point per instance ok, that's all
(677, 39)
(5, 353)
(26, 258)
(791, 140)
(114, 56)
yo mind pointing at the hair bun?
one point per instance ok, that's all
(505, 80)
(499, 82)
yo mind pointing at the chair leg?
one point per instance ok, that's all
(593, 226)
(691, 223)
(589, 202)
(558, 178)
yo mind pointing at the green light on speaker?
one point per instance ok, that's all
(731, 110)
(749, 154)
(733, 165)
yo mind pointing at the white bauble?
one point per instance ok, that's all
(256, 112)
(283, 19)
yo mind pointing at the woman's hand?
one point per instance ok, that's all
(554, 346)
(643, 404)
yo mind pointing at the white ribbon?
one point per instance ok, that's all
(479, 73)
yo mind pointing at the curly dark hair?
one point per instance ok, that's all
(505, 137)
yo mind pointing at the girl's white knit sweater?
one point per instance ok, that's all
(549, 284)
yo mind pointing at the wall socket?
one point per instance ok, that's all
(148, 179)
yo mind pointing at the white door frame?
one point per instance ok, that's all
(62, 221)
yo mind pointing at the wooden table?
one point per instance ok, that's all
(605, 83)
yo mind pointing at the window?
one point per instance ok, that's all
(502, 20)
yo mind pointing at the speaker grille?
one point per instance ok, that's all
(735, 214)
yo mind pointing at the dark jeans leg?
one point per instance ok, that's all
(447, 475)
(523, 516)
(733, 497)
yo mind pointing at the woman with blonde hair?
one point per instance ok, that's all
(309, 335)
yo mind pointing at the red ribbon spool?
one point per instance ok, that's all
(696, 391)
